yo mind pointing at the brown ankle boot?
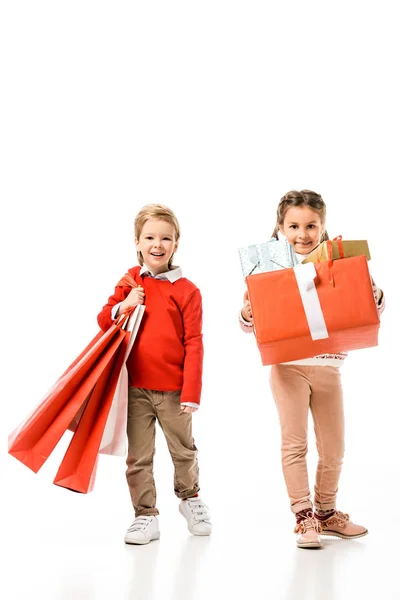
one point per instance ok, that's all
(339, 525)
(308, 530)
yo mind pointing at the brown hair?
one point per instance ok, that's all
(155, 211)
(302, 198)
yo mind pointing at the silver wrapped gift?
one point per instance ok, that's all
(271, 255)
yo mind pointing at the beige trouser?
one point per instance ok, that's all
(295, 390)
(144, 407)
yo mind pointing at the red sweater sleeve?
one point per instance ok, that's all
(192, 314)
(104, 317)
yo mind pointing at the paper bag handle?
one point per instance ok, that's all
(127, 281)
(329, 247)
(338, 239)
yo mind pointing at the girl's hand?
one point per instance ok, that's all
(246, 311)
(135, 297)
(188, 409)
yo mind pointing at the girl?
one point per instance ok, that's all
(165, 372)
(314, 384)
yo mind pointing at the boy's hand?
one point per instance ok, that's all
(188, 409)
(135, 297)
(246, 311)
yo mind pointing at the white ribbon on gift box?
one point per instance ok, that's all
(305, 275)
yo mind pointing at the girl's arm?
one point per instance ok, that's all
(379, 297)
(246, 316)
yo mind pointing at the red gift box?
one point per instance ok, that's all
(300, 314)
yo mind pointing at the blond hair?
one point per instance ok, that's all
(302, 198)
(155, 211)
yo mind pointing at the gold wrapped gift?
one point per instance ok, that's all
(349, 248)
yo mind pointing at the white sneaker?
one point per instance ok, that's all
(196, 514)
(143, 530)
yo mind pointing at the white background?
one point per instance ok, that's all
(216, 109)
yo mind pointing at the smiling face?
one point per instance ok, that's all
(157, 243)
(302, 228)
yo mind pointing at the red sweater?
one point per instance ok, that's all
(168, 351)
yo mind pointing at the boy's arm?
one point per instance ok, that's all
(105, 318)
(192, 314)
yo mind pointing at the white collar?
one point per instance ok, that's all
(173, 275)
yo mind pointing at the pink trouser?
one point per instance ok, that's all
(296, 389)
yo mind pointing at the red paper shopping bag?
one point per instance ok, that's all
(78, 467)
(34, 440)
(114, 438)
(298, 314)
